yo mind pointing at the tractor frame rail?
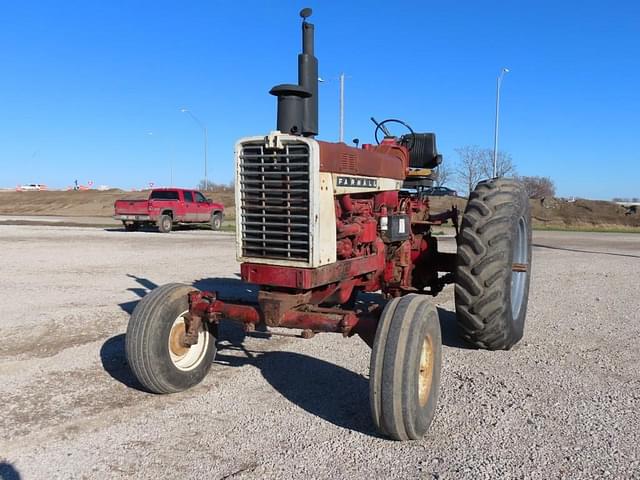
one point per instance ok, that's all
(278, 309)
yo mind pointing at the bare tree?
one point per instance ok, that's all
(208, 185)
(469, 167)
(539, 187)
(504, 164)
(443, 174)
(477, 163)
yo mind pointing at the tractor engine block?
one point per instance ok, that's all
(383, 218)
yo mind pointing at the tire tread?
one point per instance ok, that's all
(484, 243)
(142, 327)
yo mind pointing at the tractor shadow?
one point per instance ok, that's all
(112, 352)
(331, 392)
(145, 286)
(234, 289)
(8, 471)
(323, 389)
(448, 323)
(230, 289)
(450, 330)
(114, 362)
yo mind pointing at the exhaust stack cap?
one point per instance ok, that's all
(306, 13)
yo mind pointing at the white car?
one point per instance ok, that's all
(31, 187)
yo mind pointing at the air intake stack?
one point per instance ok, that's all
(298, 104)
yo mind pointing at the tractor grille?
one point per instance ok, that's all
(274, 196)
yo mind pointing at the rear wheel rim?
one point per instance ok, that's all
(186, 358)
(518, 279)
(425, 371)
(166, 224)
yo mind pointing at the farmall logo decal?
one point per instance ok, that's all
(358, 182)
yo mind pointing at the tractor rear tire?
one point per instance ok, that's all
(216, 221)
(165, 223)
(494, 247)
(153, 342)
(405, 368)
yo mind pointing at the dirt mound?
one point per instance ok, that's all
(561, 213)
(582, 213)
(72, 203)
(81, 203)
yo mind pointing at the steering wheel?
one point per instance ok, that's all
(381, 126)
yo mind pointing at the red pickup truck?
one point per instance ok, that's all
(166, 207)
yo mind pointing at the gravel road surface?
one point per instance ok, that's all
(562, 404)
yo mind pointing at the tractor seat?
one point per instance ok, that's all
(424, 153)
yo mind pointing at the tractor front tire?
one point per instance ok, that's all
(404, 378)
(165, 223)
(153, 343)
(494, 265)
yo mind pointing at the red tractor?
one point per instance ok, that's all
(319, 222)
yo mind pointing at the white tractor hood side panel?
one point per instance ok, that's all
(344, 183)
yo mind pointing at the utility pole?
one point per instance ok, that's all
(341, 101)
(206, 144)
(341, 137)
(206, 141)
(173, 154)
(495, 136)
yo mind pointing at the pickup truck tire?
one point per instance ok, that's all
(165, 223)
(494, 265)
(131, 227)
(152, 343)
(216, 221)
(404, 378)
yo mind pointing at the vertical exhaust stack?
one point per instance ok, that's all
(308, 76)
(298, 104)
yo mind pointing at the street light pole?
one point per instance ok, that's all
(495, 136)
(206, 141)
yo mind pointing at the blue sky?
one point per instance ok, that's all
(85, 83)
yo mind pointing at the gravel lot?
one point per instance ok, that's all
(562, 404)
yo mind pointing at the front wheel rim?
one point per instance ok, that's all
(186, 358)
(425, 370)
